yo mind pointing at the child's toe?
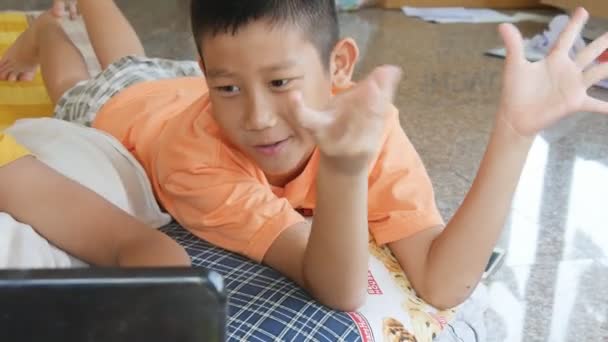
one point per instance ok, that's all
(58, 8)
(13, 76)
(4, 69)
(4, 74)
(27, 76)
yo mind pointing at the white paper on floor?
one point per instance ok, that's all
(448, 15)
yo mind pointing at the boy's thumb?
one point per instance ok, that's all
(513, 41)
(387, 79)
(303, 116)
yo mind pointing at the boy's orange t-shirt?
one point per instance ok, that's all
(221, 196)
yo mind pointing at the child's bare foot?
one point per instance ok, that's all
(20, 61)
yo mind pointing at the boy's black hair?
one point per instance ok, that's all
(317, 18)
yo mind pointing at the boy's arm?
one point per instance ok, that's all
(331, 258)
(81, 222)
(446, 267)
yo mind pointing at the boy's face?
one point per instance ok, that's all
(250, 76)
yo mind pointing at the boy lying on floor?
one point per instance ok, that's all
(277, 131)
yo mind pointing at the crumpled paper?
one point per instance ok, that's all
(539, 46)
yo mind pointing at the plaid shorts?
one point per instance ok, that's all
(81, 103)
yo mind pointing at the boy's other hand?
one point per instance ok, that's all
(348, 132)
(62, 8)
(537, 95)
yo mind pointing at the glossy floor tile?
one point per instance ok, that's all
(566, 301)
(554, 282)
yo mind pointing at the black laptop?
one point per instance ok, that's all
(112, 305)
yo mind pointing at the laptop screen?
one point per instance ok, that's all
(112, 305)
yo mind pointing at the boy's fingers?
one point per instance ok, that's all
(596, 74)
(595, 106)
(592, 52)
(572, 31)
(305, 117)
(513, 40)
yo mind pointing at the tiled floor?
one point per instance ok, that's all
(554, 283)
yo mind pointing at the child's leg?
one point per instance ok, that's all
(45, 44)
(111, 35)
(97, 232)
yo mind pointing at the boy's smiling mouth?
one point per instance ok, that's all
(272, 149)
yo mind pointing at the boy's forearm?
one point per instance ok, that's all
(336, 259)
(458, 257)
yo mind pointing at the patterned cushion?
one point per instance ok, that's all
(264, 305)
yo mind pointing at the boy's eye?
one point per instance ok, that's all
(279, 83)
(228, 89)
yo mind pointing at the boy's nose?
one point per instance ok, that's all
(259, 116)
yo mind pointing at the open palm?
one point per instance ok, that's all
(536, 95)
(353, 123)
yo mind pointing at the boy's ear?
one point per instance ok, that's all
(343, 60)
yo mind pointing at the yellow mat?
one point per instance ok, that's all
(21, 99)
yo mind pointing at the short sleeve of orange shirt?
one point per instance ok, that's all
(219, 195)
(401, 197)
